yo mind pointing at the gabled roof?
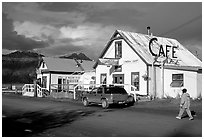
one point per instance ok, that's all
(140, 45)
(66, 65)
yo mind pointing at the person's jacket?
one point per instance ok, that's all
(185, 100)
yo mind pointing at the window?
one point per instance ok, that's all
(59, 84)
(64, 83)
(135, 80)
(118, 49)
(118, 68)
(103, 78)
(100, 91)
(43, 64)
(177, 80)
(39, 81)
(44, 81)
(93, 91)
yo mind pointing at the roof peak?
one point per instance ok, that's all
(119, 30)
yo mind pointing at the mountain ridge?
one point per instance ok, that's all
(80, 56)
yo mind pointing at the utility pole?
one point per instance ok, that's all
(162, 75)
(153, 79)
(35, 88)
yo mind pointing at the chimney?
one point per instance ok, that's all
(148, 30)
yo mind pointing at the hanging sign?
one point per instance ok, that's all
(106, 61)
(129, 61)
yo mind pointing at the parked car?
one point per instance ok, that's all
(107, 95)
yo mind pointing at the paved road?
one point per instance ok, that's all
(24, 116)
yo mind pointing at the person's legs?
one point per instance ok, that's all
(181, 112)
(189, 113)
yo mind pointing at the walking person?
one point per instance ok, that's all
(185, 105)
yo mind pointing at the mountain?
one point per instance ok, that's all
(19, 66)
(80, 56)
(23, 54)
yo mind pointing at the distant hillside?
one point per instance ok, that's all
(80, 56)
(23, 54)
(19, 66)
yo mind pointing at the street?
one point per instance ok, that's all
(46, 117)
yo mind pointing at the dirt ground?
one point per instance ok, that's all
(46, 117)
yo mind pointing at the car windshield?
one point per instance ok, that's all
(115, 90)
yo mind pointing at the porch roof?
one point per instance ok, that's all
(66, 65)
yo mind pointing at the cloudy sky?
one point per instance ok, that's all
(63, 28)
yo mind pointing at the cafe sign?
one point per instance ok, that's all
(164, 51)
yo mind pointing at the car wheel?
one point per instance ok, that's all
(131, 103)
(85, 102)
(104, 104)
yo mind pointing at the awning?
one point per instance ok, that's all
(176, 84)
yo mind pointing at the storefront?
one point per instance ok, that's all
(155, 66)
(61, 74)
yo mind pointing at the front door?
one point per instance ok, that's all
(59, 84)
(118, 78)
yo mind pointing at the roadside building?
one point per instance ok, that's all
(58, 74)
(155, 66)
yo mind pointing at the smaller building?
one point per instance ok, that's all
(58, 74)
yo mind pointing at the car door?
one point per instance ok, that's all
(92, 95)
(99, 95)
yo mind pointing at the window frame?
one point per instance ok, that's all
(118, 68)
(132, 83)
(103, 74)
(177, 82)
(118, 49)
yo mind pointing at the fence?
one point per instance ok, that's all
(29, 90)
(62, 90)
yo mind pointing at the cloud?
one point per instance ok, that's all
(87, 26)
(88, 38)
(66, 38)
(36, 30)
(12, 41)
(6, 51)
(33, 12)
(60, 47)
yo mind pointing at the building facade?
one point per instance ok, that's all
(61, 74)
(155, 66)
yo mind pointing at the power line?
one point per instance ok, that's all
(182, 25)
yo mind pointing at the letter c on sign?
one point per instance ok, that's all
(150, 42)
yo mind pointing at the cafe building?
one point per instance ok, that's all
(156, 66)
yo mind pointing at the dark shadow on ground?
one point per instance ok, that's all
(185, 115)
(32, 123)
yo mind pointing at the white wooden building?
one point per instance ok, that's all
(59, 72)
(136, 59)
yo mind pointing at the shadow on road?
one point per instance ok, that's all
(32, 123)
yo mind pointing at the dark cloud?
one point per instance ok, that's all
(12, 41)
(64, 46)
(179, 20)
(43, 13)
(117, 14)
(59, 6)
